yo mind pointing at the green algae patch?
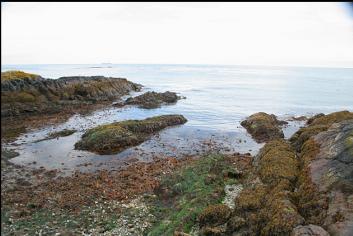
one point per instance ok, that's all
(263, 127)
(116, 137)
(192, 194)
(14, 74)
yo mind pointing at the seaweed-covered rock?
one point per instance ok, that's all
(326, 183)
(23, 93)
(317, 124)
(214, 215)
(266, 206)
(277, 162)
(151, 100)
(18, 75)
(115, 137)
(263, 127)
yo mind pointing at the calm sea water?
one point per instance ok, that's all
(217, 99)
(218, 95)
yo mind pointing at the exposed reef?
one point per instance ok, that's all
(115, 137)
(263, 127)
(151, 100)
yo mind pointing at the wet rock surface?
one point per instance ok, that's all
(23, 95)
(115, 137)
(263, 127)
(151, 100)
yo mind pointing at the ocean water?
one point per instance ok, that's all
(218, 95)
(217, 99)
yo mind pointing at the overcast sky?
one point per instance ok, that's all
(311, 34)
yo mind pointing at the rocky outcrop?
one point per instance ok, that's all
(151, 100)
(23, 93)
(303, 186)
(317, 124)
(326, 183)
(263, 127)
(115, 137)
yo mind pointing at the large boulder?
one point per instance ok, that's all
(115, 137)
(151, 100)
(263, 127)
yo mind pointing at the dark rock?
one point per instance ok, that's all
(263, 127)
(151, 100)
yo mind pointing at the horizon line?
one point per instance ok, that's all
(187, 64)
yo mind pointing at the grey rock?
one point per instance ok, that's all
(309, 230)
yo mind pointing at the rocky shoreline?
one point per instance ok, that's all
(31, 101)
(297, 186)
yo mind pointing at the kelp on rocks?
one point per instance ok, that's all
(115, 137)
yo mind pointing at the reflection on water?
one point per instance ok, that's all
(217, 99)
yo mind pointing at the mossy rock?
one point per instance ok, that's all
(235, 223)
(263, 127)
(251, 198)
(282, 221)
(115, 137)
(15, 74)
(214, 215)
(151, 100)
(316, 125)
(277, 161)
